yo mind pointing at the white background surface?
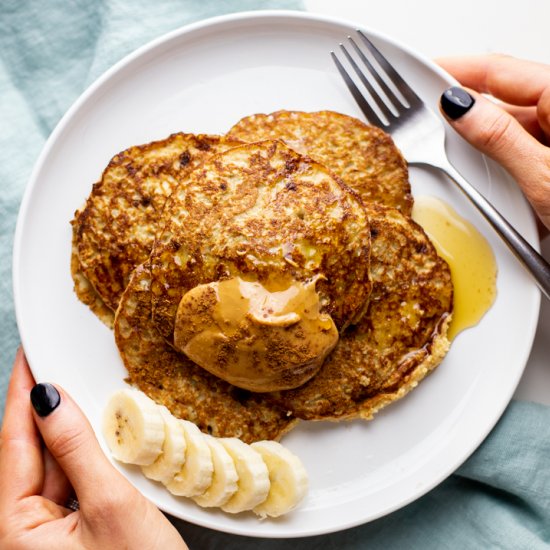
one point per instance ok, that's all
(435, 28)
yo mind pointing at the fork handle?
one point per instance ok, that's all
(535, 264)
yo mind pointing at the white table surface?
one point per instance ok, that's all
(434, 28)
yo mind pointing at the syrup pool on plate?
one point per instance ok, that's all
(470, 258)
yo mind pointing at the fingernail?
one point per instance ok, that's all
(456, 102)
(44, 398)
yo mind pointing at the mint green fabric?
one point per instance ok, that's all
(50, 51)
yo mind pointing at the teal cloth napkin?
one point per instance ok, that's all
(49, 53)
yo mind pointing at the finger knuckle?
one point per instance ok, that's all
(543, 110)
(496, 134)
(539, 192)
(67, 443)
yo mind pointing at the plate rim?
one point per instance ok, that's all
(224, 21)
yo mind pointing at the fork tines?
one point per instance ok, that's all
(387, 96)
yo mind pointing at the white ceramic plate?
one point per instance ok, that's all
(203, 78)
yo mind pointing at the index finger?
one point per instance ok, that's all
(510, 79)
(21, 468)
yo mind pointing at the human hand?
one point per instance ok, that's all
(36, 480)
(516, 131)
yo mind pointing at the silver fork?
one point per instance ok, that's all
(420, 135)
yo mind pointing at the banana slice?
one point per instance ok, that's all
(287, 476)
(195, 476)
(170, 461)
(253, 484)
(133, 427)
(224, 480)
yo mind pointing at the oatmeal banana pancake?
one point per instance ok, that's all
(114, 231)
(363, 156)
(86, 293)
(399, 340)
(189, 391)
(264, 213)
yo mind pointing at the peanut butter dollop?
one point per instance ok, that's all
(254, 338)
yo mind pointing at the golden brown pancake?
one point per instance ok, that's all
(86, 292)
(188, 391)
(265, 213)
(271, 213)
(363, 156)
(399, 340)
(116, 228)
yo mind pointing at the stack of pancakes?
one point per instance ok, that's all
(290, 194)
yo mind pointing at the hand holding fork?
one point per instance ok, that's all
(515, 133)
(506, 133)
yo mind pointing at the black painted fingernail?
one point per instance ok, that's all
(456, 102)
(44, 398)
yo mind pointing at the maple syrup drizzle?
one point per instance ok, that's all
(470, 258)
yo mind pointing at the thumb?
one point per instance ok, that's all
(500, 136)
(71, 441)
